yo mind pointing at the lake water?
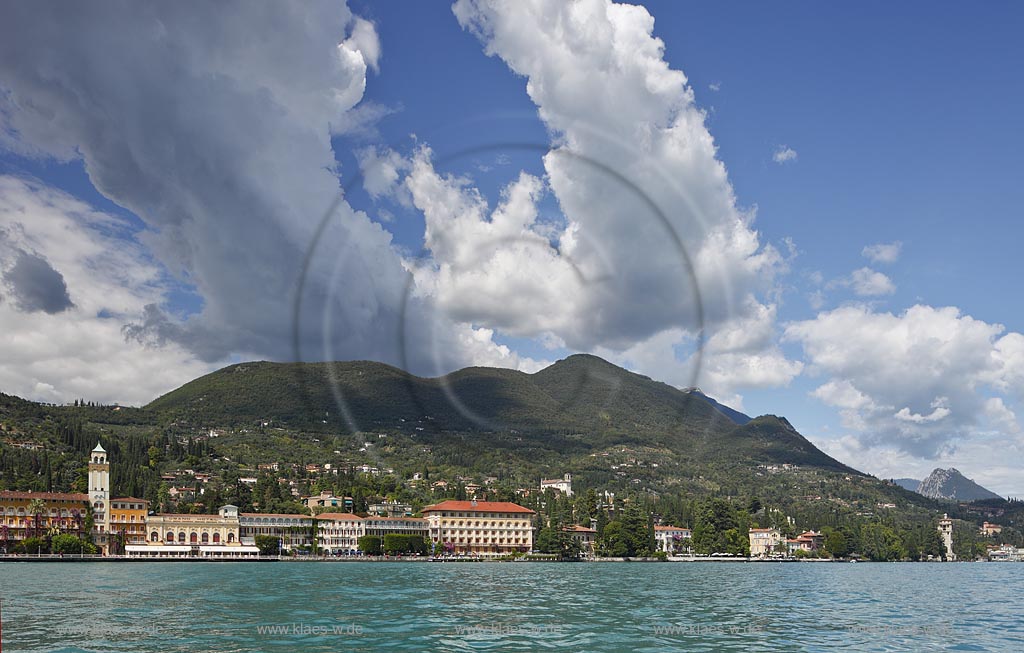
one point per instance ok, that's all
(302, 606)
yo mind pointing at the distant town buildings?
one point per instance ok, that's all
(1005, 553)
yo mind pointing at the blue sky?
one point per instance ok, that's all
(839, 128)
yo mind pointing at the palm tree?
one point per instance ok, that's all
(36, 508)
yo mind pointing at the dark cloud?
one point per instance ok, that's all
(35, 286)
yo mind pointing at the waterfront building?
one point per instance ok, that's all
(672, 539)
(563, 485)
(809, 541)
(128, 518)
(1005, 553)
(339, 532)
(763, 541)
(21, 516)
(485, 528)
(946, 531)
(196, 536)
(294, 530)
(382, 526)
(585, 536)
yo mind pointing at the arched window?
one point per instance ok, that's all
(206, 538)
(181, 537)
(231, 537)
(193, 538)
(154, 537)
(216, 538)
(170, 537)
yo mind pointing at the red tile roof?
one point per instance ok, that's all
(45, 496)
(130, 499)
(659, 527)
(272, 514)
(576, 528)
(477, 506)
(199, 516)
(338, 516)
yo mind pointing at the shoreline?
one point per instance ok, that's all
(400, 559)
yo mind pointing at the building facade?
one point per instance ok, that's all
(563, 485)
(128, 519)
(195, 536)
(585, 536)
(480, 528)
(763, 541)
(339, 532)
(381, 526)
(33, 514)
(672, 539)
(294, 531)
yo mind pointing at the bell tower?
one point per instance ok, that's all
(99, 490)
(946, 531)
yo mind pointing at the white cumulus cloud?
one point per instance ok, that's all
(883, 252)
(923, 381)
(784, 154)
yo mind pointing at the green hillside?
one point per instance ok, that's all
(613, 430)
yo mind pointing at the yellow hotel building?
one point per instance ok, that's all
(128, 516)
(484, 528)
(63, 511)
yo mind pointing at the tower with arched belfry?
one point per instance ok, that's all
(99, 492)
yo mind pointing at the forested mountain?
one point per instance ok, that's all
(368, 430)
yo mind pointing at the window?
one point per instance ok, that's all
(216, 538)
(170, 537)
(181, 537)
(206, 538)
(154, 536)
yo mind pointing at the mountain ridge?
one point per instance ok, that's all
(951, 484)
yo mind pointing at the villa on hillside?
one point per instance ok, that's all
(563, 485)
(989, 529)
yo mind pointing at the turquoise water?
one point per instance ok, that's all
(302, 606)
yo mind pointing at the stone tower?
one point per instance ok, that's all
(99, 491)
(946, 531)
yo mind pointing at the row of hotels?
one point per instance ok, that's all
(473, 528)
